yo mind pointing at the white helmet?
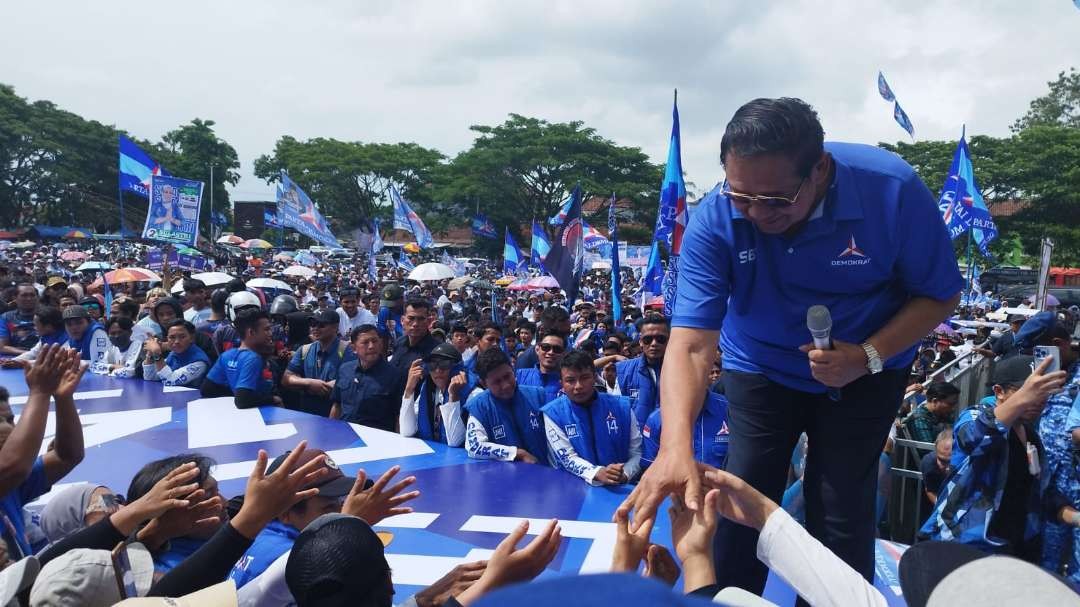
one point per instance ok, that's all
(238, 301)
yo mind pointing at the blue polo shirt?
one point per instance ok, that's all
(876, 241)
(241, 368)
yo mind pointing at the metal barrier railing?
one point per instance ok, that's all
(970, 373)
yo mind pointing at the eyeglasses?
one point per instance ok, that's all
(648, 339)
(771, 202)
(552, 348)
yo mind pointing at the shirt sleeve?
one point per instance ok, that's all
(565, 455)
(407, 424)
(704, 275)
(814, 571)
(632, 466)
(453, 426)
(478, 447)
(926, 264)
(187, 375)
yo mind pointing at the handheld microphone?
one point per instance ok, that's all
(819, 322)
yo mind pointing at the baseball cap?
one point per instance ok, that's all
(1012, 372)
(16, 578)
(337, 560)
(218, 595)
(1034, 328)
(325, 317)
(55, 280)
(444, 351)
(75, 311)
(87, 577)
(332, 484)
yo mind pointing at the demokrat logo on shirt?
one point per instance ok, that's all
(852, 255)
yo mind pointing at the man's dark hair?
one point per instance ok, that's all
(50, 315)
(180, 322)
(485, 326)
(125, 323)
(655, 319)
(193, 284)
(489, 360)
(150, 474)
(459, 328)
(360, 330)
(941, 390)
(577, 360)
(349, 292)
(418, 303)
(248, 318)
(785, 126)
(553, 314)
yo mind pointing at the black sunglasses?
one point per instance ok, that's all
(648, 339)
(552, 348)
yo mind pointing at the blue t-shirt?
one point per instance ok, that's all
(876, 241)
(241, 368)
(12, 504)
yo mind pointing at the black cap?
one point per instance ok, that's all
(1012, 372)
(325, 317)
(444, 351)
(337, 560)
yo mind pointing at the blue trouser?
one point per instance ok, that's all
(845, 439)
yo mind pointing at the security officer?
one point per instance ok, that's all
(368, 389)
(799, 223)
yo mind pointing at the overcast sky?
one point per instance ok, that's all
(425, 71)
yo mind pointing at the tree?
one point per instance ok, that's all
(349, 180)
(1059, 107)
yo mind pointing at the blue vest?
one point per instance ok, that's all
(550, 382)
(83, 343)
(600, 431)
(636, 383)
(518, 423)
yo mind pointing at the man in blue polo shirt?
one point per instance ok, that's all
(847, 226)
(243, 372)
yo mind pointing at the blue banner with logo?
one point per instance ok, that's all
(173, 214)
(297, 211)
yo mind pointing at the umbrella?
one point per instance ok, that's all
(431, 271)
(412, 247)
(230, 239)
(460, 282)
(299, 271)
(269, 283)
(77, 234)
(256, 243)
(543, 282)
(91, 266)
(73, 256)
(505, 280)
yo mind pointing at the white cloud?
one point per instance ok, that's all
(425, 70)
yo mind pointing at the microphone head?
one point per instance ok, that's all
(818, 318)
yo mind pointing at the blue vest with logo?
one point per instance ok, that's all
(600, 431)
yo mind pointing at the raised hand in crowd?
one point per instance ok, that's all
(509, 565)
(377, 502)
(268, 495)
(460, 579)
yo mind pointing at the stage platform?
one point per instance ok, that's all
(464, 510)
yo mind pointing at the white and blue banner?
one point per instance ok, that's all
(173, 213)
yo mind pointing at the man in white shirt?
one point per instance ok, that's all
(351, 314)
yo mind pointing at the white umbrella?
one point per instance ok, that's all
(299, 271)
(210, 279)
(431, 271)
(94, 265)
(269, 283)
